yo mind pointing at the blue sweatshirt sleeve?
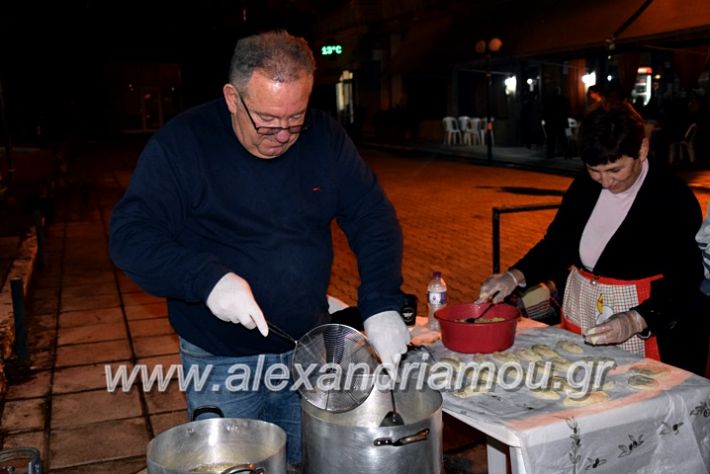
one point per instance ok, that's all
(146, 222)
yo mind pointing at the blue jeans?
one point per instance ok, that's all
(236, 395)
(705, 286)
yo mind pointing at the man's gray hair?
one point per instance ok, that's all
(279, 55)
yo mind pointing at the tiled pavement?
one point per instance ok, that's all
(84, 314)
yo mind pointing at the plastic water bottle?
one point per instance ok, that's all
(436, 298)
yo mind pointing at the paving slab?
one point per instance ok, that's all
(102, 288)
(93, 333)
(92, 353)
(36, 384)
(156, 345)
(88, 317)
(150, 327)
(109, 441)
(73, 303)
(165, 421)
(42, 339)
(168, 400)
(146, 311)
(86, 377)
(41, 359)
(132, 465)
(30, 439)
(84, 279)
(23, 415)
(73, 409)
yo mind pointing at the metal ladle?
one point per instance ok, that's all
(473, 319)
(392, 418)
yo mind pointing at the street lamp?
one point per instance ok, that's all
(486, 49)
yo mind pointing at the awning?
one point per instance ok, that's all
(579, 27)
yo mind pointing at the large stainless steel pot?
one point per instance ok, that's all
(354, 442)
(219, 445)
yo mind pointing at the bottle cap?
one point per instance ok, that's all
(437, 274)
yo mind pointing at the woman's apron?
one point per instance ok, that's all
(590, 300)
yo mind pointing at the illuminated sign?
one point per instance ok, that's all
(331, 50)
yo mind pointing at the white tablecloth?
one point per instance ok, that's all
(651, 431)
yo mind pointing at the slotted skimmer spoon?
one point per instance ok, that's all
(335, 365)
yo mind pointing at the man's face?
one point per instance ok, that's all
(270, 104)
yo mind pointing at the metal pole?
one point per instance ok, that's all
(497, 211)
(489, 125)
(18, 310)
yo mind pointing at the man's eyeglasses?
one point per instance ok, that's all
(261, 130)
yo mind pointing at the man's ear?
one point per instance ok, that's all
(230, 96)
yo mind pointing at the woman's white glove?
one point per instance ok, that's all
(231, 300)
(389, 336)
(497, 286)
(617, 329)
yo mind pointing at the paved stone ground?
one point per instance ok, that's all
(83, 313)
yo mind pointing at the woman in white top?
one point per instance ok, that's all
(624, 234)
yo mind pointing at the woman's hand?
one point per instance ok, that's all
(499, 285)
(617, 329)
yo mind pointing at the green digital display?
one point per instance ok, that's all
(331, 49)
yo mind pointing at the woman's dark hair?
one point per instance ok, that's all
(607, 134)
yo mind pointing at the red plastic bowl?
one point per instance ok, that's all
(479, 337)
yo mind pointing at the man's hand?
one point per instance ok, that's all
(497, 286)
(617, 329)
(389, 337)
(231, 300)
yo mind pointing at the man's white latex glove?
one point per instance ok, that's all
(617, 329)
(231, 300)
(389, 336)
(497, 286)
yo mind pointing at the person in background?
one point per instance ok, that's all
(594, 98)
(228, 215)
(555, 112)
(625, 230)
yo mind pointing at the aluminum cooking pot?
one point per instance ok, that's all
(219, 445)
(356, 442)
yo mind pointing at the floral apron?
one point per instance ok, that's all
(590, 300)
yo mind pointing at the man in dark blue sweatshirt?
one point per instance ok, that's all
(228, 215)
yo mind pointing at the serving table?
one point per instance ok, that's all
(665, 428)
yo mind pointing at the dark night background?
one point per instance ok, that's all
(56, 63)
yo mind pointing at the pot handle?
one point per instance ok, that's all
(423, 435)
(206, 409)
(250, 468)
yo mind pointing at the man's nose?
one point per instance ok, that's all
(283, 135)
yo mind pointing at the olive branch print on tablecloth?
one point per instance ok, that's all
(702, 409)
(627, 449)
(574, 455)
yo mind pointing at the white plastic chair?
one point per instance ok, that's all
(572, 129)
(452, 134)
(687, 145)
(470, 134)
(476, 137)
(484, 125)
